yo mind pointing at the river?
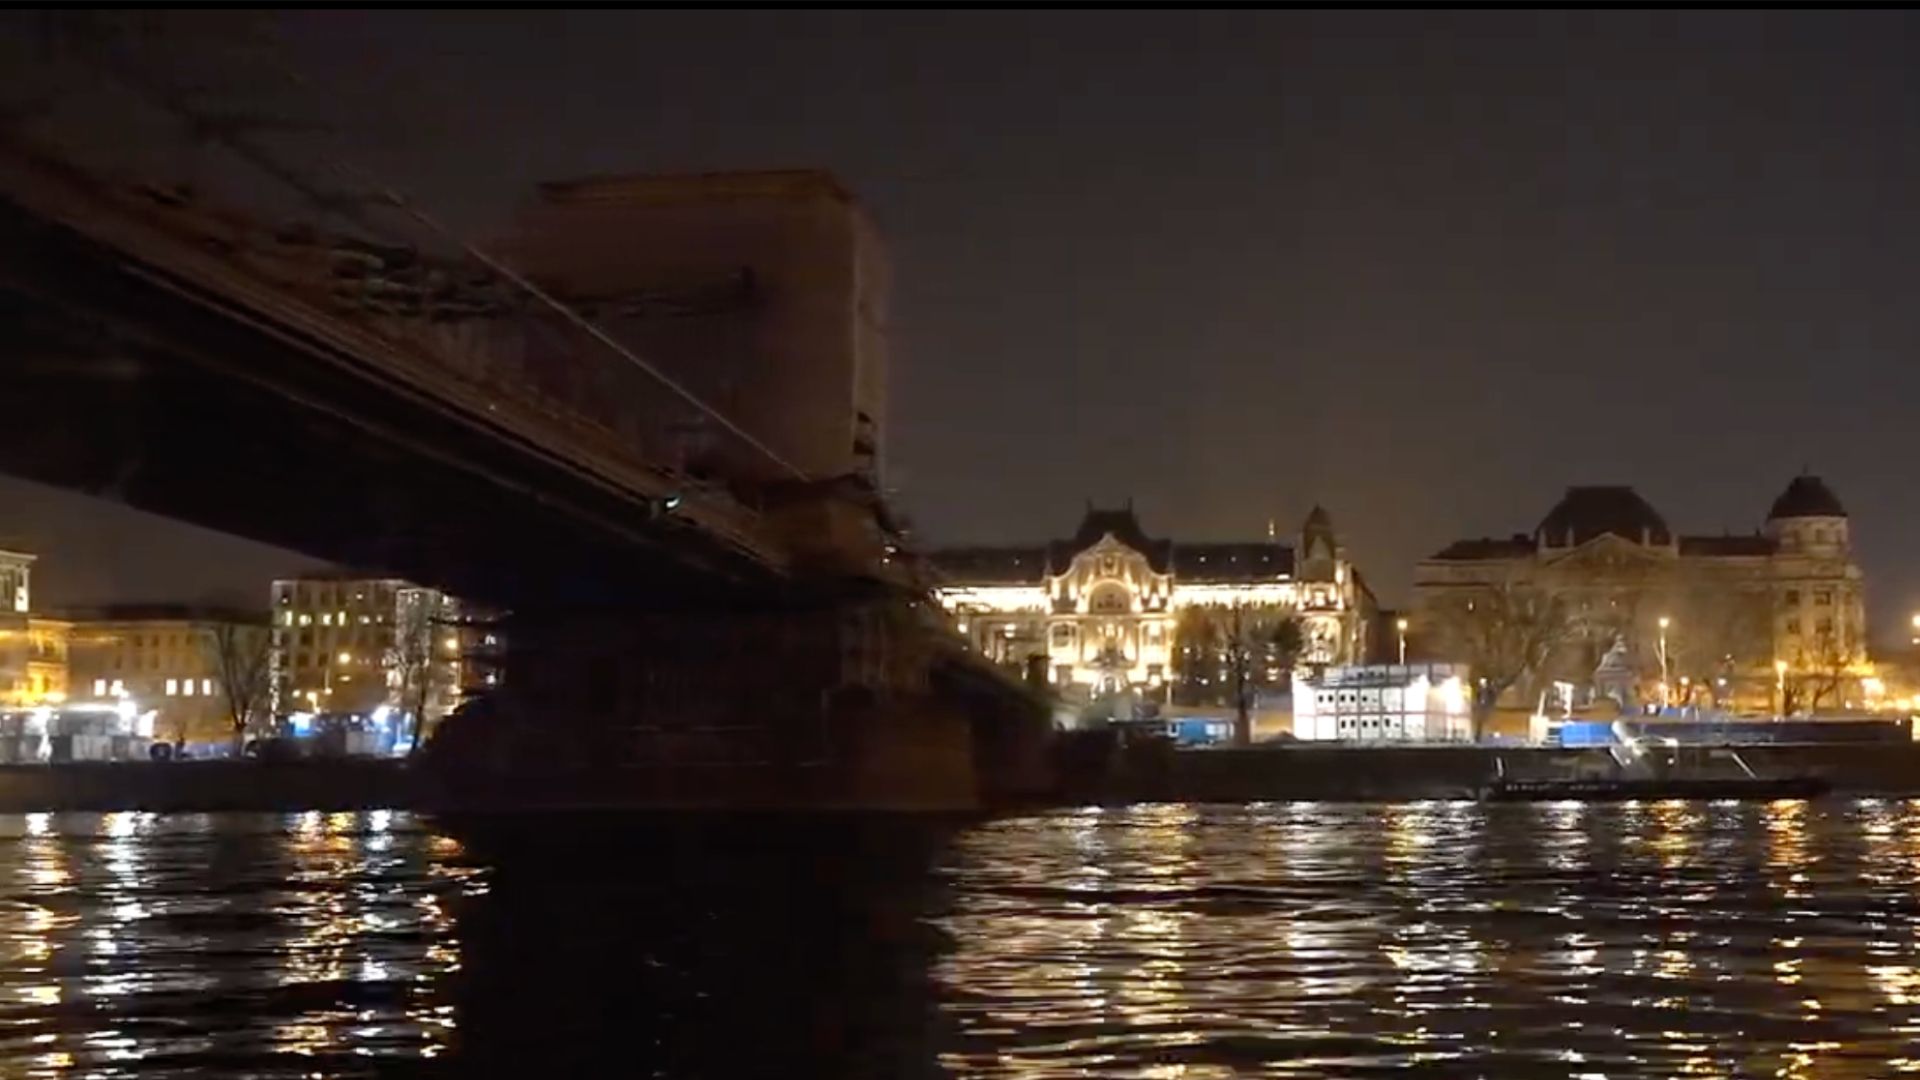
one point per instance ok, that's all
(1286, 939)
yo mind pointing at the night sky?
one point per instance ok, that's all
(1425, 269)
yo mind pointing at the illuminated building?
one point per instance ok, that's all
(169, 660)
(1752, 622)
(352, 645)
(1103, 609)
(1383, 703)
(16, 575)
(33, 649)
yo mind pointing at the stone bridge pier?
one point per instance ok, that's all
(852, 705)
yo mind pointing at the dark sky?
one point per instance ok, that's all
(1426, 269)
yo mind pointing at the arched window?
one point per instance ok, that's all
(1110, 598)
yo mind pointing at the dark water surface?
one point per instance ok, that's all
(1449, 939)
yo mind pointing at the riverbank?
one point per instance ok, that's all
(1400, 773)
(1097, 774)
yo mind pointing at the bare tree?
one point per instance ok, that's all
(239, 654)
(1250, 646)
(1825, 670)
(1720, 636)
(409, 659)
(1506, 632)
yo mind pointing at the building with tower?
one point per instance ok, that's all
(1111, 610)
(1770, 621)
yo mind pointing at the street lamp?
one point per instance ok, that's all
(1916, 629)
(1664, 623)
(1402, 627)
(1780, 683)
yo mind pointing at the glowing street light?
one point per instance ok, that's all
(1780, 683)
(1402, 627)
(1664, 623)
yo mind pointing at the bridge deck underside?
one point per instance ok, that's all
(118, 383)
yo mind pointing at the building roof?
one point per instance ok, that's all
(124, 613)
(1486, 547)
(1205, 563)
(1124, 527)
(1195, 563)
(1585, 513)
(990, 565)
(1723, 546)
(1806, 496)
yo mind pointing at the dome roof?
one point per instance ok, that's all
(1584, 513)
(1807, 496)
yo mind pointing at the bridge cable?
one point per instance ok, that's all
(227, 135)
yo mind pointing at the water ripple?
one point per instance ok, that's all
(1652, 939)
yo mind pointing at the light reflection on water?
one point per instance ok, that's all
(133, 943)
(1559, 939)
(1289, 940)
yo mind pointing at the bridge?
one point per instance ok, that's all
(207, 368)
(691, 589)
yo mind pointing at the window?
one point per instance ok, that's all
(99, 688)
(326, 618)
(1823, 598)
(1824, 627)
(206, 687)
(1793, 627)
(305, 619)
(173, 687)
(1062, 636)
(1792, 598)
(186, 688)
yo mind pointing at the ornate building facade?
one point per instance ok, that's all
(1103, 609)
(1774, 620)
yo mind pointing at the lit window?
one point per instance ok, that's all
(99, 688)
(289, 618)
(326, 619)
(173, 687)
(305, 619)
(364, 620)
(346, 658)
(206, 687)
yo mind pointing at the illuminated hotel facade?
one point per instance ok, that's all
(1102, 609)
